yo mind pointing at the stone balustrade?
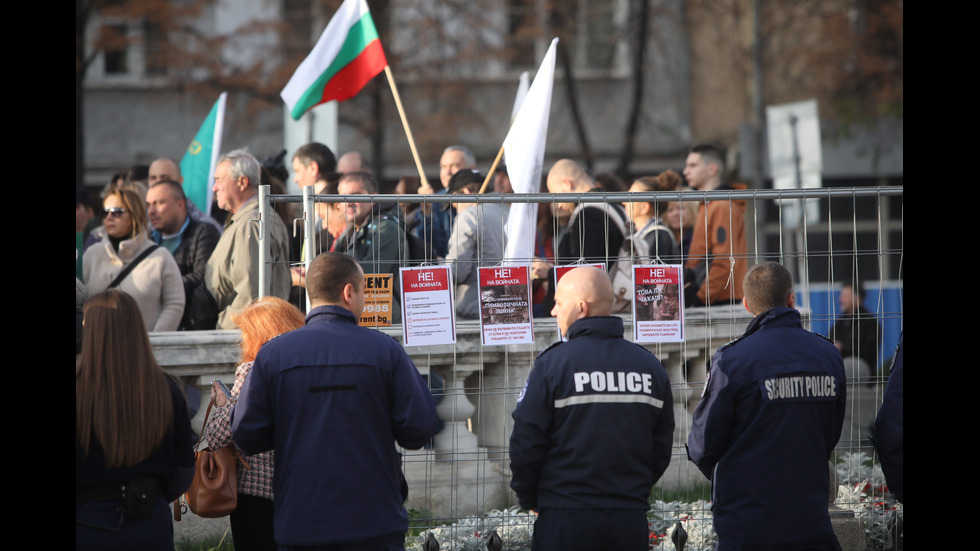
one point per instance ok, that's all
(465, 472)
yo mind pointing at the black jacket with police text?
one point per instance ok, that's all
(594, 426)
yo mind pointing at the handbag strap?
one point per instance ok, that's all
(200, 438)
(122, 275)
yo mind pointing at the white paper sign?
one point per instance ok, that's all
(658, 303)
(427, 306)
(505, 305)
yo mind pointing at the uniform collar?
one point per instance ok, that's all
(327, 314)
(598, 326)
(781, 316)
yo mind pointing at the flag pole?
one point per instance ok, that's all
(408, 131)
(521, 94)
(493, 168)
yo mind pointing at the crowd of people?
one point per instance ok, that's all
(215, 248)
(319, 402)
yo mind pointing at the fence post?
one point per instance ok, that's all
(265, 245)
(311, 234)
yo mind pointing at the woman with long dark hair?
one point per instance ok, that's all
(251, 523)
(133, 441)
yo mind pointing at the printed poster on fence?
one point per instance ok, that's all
(377, 301)
(427, 306)
(658, 303)
(560, 271)
(505, 305)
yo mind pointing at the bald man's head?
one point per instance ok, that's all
(164, 169)
(567, 176)
(582, 293)
(352, 161)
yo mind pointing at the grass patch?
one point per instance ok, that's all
(223, 543)
(418, 522)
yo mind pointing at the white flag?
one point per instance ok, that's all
(524, 155)
(523, 83)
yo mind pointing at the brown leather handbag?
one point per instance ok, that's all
(214, 491)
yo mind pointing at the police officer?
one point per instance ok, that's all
(769, 418)
(593, 428)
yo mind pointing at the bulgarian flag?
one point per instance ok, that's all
(347, 56)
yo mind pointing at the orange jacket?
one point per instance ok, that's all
(719, 237)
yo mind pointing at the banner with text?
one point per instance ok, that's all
(377, 301)
(505, 305)
(658, 303)
(427, 306)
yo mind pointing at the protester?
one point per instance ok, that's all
(133, 441)
(189, 241)
(435, 221)
(232, 272)
(595, 230)
(477, 240)
(85, 218)
(680, 218)
(154, 280)
(648, 224)
(375, 235)
(718, 258)
(251, 523)
(409, 185)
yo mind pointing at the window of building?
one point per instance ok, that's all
(116, 53)
(590, 30)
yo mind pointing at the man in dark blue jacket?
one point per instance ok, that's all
(189, 241)
(889, 436)
(593, 429)
(768, 420)
(331, 399)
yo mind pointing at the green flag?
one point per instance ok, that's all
(197, 165)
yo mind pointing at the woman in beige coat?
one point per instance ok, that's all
(155, 282)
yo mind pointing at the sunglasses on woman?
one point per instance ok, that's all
(114, 212)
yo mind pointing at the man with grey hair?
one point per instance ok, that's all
(477, 240)
(436, 222)
(454, 159)
(232, 271)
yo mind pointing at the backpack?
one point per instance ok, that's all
(632, 251)
(647, 230)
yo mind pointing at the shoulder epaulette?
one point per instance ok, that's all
(542, 353)
(822, 337)
(647, 350)
(730, 344)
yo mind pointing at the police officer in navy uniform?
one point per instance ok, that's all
(593, 428)
(769, 418)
